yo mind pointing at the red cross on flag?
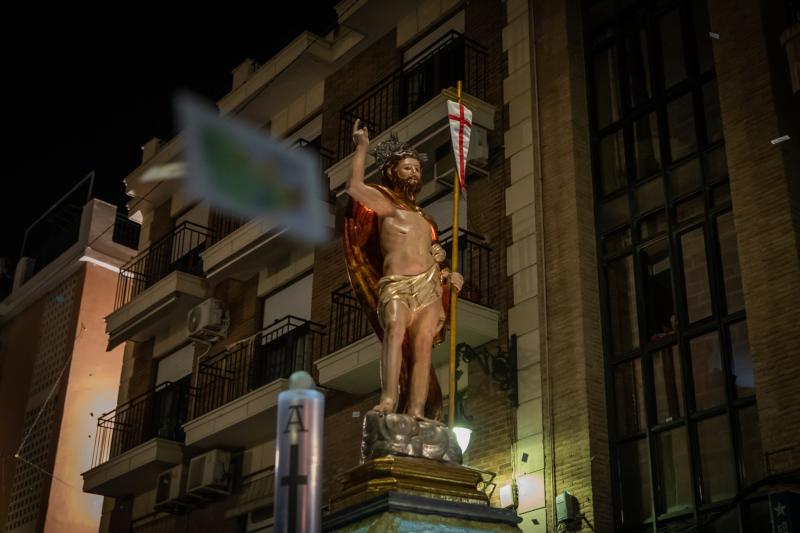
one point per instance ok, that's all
(460, 128)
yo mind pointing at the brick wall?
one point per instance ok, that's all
(765, 194)
(573, 371)
(342, 444)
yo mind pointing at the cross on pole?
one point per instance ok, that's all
(293, 481)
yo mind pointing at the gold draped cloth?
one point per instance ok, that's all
(362, 250)
(415, 291)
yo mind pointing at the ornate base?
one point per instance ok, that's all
(394, 512)
(399, 434)
(409, 475)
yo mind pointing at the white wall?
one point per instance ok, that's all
(293, 300)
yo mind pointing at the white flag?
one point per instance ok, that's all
(460, 128)
(243, 170)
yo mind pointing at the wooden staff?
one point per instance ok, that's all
(451, 407)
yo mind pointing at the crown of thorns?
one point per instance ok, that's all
(392, 150)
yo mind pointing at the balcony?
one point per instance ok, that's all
(138, 440)
(163, 281)
(353, 361)
(452, 58)
(237, 389)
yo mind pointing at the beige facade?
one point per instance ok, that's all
(57, 378)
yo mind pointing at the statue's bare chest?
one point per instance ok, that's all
(407, 223)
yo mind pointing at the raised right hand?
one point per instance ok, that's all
(360, 135)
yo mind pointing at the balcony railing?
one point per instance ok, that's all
(155, 414)
(348, 323)
(441, 65)
(288, 345)
(474, 255)
(223, 224)
(126, 232)
(179, 250)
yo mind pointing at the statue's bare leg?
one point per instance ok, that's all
(424, 327)
(397, 316)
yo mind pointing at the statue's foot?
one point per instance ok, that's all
(385, 407)
(420, 417)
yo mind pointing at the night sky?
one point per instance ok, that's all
(84, 91)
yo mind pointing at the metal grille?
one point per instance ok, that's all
(454, 57)
(179, 250)
(155, 414)
(288, 345)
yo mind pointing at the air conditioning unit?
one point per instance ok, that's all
(478, 147)
(208, 321)
(210, 474)
(171, 490)
(260, 521)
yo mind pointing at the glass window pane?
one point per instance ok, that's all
(658, 288)
(605, 85)
(634, 469)
(716, 459)
(685, 178)
(695, 275)
(722, 194)
(668, 382)
(622, 305)
(680, 118)
(648, 154)
(712, 112)
(638, 67)
(709, 380)
(749, 439)
(675, 488)
(672, 48)
(717, 164)
(599, 13)
(689, 209)
(729, 255)
(649, 196)
(612, 162)
(727, 523)
(705, 55)
(617, 241)
(742, 361)
(652, 225)
(614, 213)
(757, 517)
(629, 394)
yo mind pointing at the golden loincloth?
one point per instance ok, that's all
(416, 291)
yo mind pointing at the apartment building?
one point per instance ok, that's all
(55, 375)
(629, 239)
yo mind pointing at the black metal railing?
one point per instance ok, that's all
(326, 157)
(126, 232)
(223, 224)
(348, 321)
(474, 255)
(288, 345)
(54, 235)
(179, 250)
(159, 413)
(454, 57)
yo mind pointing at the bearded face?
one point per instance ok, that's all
(405, 177)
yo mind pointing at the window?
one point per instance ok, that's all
(682, 405)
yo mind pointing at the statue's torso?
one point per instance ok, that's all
(406, 243)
